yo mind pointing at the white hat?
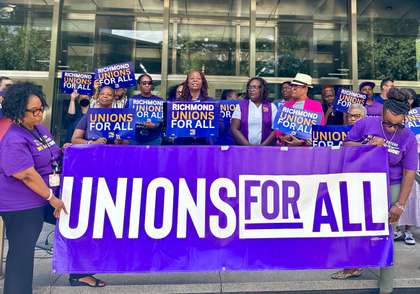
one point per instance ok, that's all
(302, 80)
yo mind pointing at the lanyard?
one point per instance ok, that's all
(41, 140)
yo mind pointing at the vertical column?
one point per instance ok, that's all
(1, 245)
(52, 74)
(252, 41)
(165, 45)
(353, 41)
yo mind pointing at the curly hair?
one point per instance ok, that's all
(264, 88)
(16, 100)
(186, 94)
(397, 101)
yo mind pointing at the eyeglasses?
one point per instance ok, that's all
(355, 116)
(36, 111)
(391, 125)
(254, 87)
(147, 83)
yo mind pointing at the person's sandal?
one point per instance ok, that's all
(342, 275)
(76, 282)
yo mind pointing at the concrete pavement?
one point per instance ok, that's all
(407, 278)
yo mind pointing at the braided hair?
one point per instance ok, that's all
(397, 101)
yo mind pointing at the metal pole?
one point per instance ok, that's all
(52, 73)
(353, 42)
(1, 245)
(165, 49)
(252, 41)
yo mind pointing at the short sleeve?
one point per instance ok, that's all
(273, 113)
(82, 125)
(16, 157)
(410, 160)
(237, 113)
(356, 133)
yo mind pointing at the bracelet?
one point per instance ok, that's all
(89, 141)
(51, 195)
(398, 205)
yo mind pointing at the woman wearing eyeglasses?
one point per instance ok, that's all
(148, 133)
(28, 164)
(401, 144)
(252, 121)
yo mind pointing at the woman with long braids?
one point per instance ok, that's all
(401, 144)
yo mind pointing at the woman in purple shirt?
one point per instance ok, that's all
(28, 174)
(401, 144)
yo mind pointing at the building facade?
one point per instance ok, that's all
(338, 42)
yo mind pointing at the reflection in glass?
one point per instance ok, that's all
(208, 36)
(302, 36)
(25, 34)
(389, 39)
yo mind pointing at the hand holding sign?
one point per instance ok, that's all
(345, 98)
(296, 122)
(193, 119)
(75, 81)
(412, 120)
(117, 76)
(110, 124)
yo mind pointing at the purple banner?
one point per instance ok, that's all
(208, 208)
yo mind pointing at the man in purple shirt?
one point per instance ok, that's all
(389, 132)
(373, 107)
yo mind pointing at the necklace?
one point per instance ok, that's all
(385, 137)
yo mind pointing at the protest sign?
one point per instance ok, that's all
(344, 98)
(119, 75)
(187, 208)
(329, 136)
(297, 122)
(227, 108)
(81, 82)
(148, 110)
(412, 120)
(110, 123)
(193, 119)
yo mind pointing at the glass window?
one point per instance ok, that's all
(309, 36)
(104, 32)
(209, 36)
(388, 39)
(25, 34)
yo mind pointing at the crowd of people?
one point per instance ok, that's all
(31, 165)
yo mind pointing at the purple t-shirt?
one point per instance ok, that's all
(402, 147)
(376, 109)
(20, 150)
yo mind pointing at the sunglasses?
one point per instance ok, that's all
(36, 111)
(391, 125)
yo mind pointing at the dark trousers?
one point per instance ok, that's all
(22, 230)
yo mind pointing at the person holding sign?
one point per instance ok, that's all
(373, 107)
(300, 100)
(105, 100)
(252, 121)
(28, 179)
(150, 131)
(194, 89)
(332, 116)
(75, 113)
(389, 132)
